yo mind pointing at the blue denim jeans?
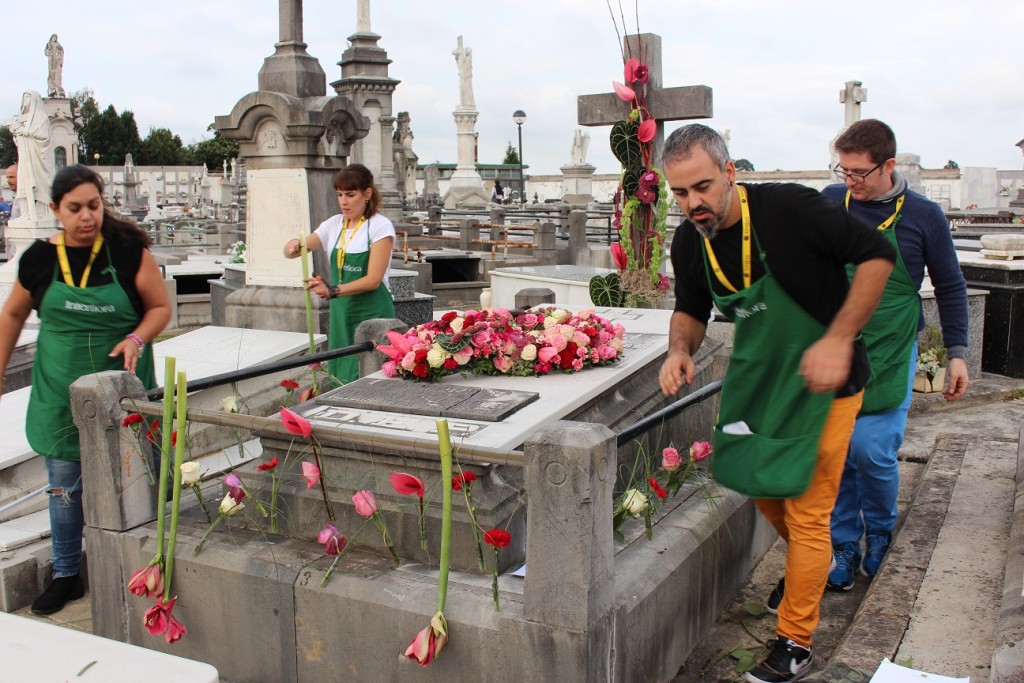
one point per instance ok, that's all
(66, 517)
(871, 476)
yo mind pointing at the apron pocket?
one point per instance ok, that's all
(761, 467)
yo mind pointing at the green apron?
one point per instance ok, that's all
(891, 332)
(348, 311)
(78, 328)
(763, 387)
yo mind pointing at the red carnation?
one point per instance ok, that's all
(656, 487)
(499, 538)
(132, 419)
(289, 384)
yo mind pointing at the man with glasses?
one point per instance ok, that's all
(875, 192)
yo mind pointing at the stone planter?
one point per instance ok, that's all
(928, 386)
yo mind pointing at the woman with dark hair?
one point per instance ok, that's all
(101, 301)
(360, 241)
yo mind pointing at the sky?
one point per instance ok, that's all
(947, 75)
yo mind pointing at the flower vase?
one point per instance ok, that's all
(928, 385)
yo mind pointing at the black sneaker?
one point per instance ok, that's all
(775, 597)
(787, 661)
(60, 591)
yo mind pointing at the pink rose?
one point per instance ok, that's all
(670, 460)
(700, 450)
(366, 505)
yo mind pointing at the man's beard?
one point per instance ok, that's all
(711, 226)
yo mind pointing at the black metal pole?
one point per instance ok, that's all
(522, 178)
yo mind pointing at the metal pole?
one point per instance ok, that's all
(522, 178)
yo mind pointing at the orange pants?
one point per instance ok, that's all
(804, 523)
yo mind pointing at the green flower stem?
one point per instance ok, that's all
(337, 558)
(303, 253)
(275, 483)
(445, 446)
(165, 449)
(423, 527)
(494, 582)
(179, 458)
(202, 502)
(323, 486)
(379, 521)
(202, 541)
(647, 521)
(468, 493)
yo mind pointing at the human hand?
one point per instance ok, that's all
(677, 368)
(825, 364)
(317, 285)
(292, 248)
(956, 371)
(131, 352)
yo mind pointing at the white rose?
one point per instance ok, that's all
(229, 507)
(457, 324)
(229, 404)
(190, 473)
(436, 356)
(559, 315)
(634, 502)
(529, 352)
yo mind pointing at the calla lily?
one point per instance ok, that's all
(429, 642)
(406, 484)
(311, 472)
(148, 582)
(365, 503)
(399, 347)
(618, 256)
(647, 130)
(296, 424)
(624, 92)
(630, 69)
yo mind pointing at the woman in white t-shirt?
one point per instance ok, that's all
(360, 241)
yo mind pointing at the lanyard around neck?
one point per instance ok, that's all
(745, 212)
(888, 221)
(65, 267)
(343, 242)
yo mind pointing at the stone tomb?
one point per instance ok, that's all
(571, 284)
(1003, 344)
(589, 609)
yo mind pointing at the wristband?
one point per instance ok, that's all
(137, 339)
(334, 292)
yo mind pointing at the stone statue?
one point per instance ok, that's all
(55, 59)
(31, 131)
(464, 58)
(578, 152)
(852, 95)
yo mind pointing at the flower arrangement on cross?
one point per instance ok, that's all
(641, 201)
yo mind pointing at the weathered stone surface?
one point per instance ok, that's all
(534, 296)
(448, 400)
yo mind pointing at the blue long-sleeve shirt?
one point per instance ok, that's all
(925, 241)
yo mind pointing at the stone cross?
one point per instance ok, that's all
(852, 95)
(363, 16)
(289, 13)
(665, 104)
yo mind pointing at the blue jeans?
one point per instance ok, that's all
(66, 517)
(871, 476)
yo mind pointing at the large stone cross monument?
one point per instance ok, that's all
(665, 104)
(466, 188)
(851, 97)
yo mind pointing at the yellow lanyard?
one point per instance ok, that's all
(889, 221)
(65, 267)
(745, 211)
(342, 248)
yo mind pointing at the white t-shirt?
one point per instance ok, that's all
(379, 227)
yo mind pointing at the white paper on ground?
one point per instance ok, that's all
(518, 572)
(888, 672)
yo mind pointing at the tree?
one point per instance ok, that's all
(744, 165)
(511, 155)
(8, 152)
(161, 148)
(85, 108)
(112, 136)
(952, 165)
(211, 153)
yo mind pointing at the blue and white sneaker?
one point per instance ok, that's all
(878, 545)
(847, 559)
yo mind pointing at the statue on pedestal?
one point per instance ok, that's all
(578, 151)
(31, 131)
(464, 59)
(55, 62)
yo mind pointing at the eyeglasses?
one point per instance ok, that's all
(857, 178)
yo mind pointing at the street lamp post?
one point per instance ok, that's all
(519, 116)
(96, 158)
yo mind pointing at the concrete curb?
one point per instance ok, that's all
(880, 623)
(1008, 658)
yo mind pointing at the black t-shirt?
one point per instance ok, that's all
(806, 241)
(38, 268)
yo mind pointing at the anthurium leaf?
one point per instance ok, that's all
(626, 145)
(606, 290)
(446, 343)
(744, 663)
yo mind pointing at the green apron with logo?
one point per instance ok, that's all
(769, 424)
(891, 332)
(348, 311)
(78, 328)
